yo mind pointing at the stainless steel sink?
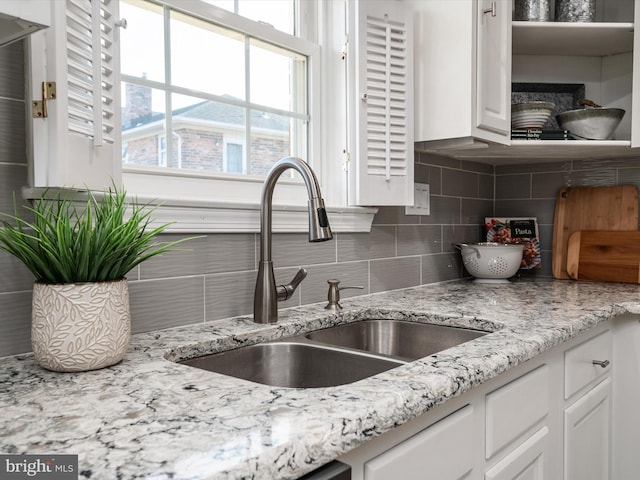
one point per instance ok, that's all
(395, 338)
(293, 364)
(336, 355)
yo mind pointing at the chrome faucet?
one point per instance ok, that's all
(267, 294)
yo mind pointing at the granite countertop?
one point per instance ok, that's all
(150, 417)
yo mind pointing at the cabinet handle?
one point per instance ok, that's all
(602, 363)
(491, 10)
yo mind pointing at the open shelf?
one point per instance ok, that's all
(563, 38)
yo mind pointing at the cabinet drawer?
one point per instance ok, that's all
(515, 408)
(579, 369)
(443, 451)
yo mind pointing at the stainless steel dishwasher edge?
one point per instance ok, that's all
(334, 470)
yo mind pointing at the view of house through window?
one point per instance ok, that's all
(202, 96)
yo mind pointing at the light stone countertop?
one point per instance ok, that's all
(149, 417)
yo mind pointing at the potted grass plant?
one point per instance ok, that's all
(80, 254)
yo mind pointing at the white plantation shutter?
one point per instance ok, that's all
(90, 80)
(382, 171)
(78, 144)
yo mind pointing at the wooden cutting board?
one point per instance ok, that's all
(604, 256)
(590, 208)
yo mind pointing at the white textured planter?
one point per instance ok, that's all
(80, 327)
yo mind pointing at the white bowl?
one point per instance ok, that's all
(591, 123)
(529, 115)
(492, 262)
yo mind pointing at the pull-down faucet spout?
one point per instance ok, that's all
(267, 294)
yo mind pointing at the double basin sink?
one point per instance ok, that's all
(336, 355)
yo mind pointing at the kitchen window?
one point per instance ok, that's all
(198, 82)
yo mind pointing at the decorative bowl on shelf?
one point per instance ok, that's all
(528, 115)
(591, 123)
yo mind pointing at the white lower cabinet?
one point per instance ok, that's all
(587, 441)
(440, 451)
(549, 418)
(527, 462)
(587, 414)
(515, 408)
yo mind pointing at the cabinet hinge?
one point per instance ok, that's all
(39, 107)
(347, 159)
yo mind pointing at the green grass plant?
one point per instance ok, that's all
(99, 241)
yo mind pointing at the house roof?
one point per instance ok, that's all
(217, 112)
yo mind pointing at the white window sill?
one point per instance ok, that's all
(223, 217)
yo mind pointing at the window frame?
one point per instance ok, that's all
(222, 189)
(190, 201)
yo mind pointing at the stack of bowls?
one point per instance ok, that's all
(531, 115)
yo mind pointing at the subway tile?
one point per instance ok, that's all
(459, 183)
(315, 287)
(444, 210)
(229, 294)
(14, 276)
(395, 273)
(583, 178)
(430, 158)
(15, 327)
(379, 243)
(513, 186)
(452, 234)
(478, 167)
(546, 236)
(547, 267)
(604, 163)
(430, 175)
(394, 216)
(213, 253)
(12, 81)
(291, 249)
(546, 185)
(629, 176)
(486, 187)
(533, 167)
(158, 304)
(12, 179)
(13, 140)
(475, 211)
(441, 267)
(419, 239)
(543, 210)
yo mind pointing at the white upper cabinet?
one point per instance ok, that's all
(467, 60)
(76, 142)
(380, 103)
(462, 71)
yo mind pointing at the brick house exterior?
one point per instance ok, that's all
(208, 136)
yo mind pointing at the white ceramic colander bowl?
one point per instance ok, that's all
(491, 262)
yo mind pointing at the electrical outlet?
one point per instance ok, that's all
(421, 200)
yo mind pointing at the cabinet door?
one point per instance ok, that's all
(443, 451)
(526, 462)
(493, 67)
(381, 100)
(587, 442)
(515, 408)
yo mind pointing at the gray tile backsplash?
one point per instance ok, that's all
(213, 277)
